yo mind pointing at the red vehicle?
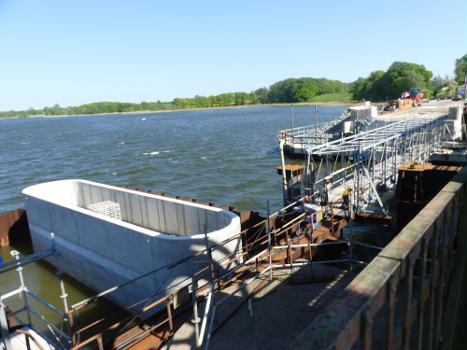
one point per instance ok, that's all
(414, 94)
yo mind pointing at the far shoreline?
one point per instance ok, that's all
(324, 104)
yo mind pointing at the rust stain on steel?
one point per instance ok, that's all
(340, 326)
(294, 228)
(417, 185)
(373, 218)
(13, 227)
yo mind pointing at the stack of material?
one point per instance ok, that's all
(107, 208)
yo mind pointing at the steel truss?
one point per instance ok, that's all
(369, 160)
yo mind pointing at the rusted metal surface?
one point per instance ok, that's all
(287, 228)
(368, 218)
(291, 170)
(417, 184)
(13, 227)
(432, 247)
(420, 182)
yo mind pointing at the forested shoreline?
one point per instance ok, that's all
(378, 86)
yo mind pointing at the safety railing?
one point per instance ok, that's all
(56, 335)
(408, 296)
(292, 232)
(213, 276)
(253, 260)
(315, 134)
(311, 129)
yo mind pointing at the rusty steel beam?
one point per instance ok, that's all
(349, 319)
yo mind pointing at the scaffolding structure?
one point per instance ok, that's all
(36, 328)
(299, 138)
(367, 162)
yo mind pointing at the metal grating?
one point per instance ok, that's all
(107, 208)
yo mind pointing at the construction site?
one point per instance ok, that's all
(301, 277)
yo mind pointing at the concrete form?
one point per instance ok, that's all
(108, 236)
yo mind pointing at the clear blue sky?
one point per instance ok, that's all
(78, 51)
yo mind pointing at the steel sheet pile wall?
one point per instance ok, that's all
(409, 295)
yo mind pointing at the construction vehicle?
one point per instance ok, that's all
(415, 95)
(408, 99)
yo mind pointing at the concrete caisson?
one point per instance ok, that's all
(109, 235)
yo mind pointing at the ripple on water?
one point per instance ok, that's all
(225, 156)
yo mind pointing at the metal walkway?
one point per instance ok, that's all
(297, 139)
(367, 162)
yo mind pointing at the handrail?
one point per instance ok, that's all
(14, 264)
(224, 278)
(437, 232)
(94, 298)
(43, 302)
(18, 263)
(199, 275)
(322, 128)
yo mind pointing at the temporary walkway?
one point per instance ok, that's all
(297, 139)
(367, 162)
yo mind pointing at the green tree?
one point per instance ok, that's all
(358, 89)
(408, 80)
(259, 95)
(460, 69)
(241, 98)
(400, 76)
(283, 91)
(306, 92)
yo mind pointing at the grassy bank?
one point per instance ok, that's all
(342, 97)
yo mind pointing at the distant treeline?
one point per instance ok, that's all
(91, 108)
(285, 91)
(379, 85)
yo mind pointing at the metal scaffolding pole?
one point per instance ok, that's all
(397, 143)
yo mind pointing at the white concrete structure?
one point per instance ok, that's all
(109, 235)
(454, 123)
(364, 111)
